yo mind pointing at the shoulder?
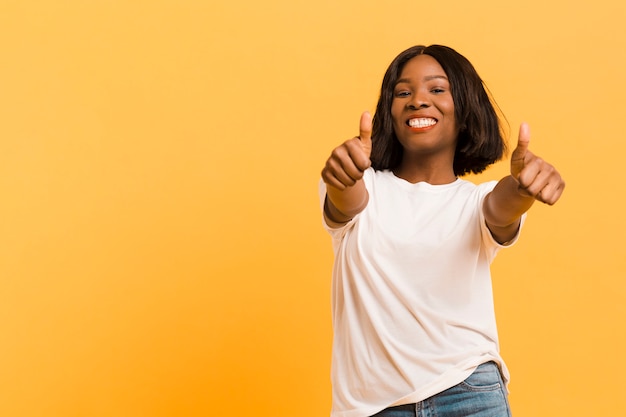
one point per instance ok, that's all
(481, 189)
(377, 178)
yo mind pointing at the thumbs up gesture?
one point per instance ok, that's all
(536, 177)
(348, 161)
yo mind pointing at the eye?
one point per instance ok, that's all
(437, 90)
(402, 93)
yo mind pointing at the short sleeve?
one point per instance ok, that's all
(337, 231)
(332, 228)
(489, 242)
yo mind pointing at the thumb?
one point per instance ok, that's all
(519, 154)
(365, 133)
(523, 140)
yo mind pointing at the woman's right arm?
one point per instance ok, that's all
(346, 195)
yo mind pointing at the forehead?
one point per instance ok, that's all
(422, 67)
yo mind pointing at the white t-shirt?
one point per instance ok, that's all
(412, 302)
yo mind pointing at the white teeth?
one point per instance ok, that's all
(422, 122)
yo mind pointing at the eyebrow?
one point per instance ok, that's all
(427, 78)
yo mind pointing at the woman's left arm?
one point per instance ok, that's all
(531, 179)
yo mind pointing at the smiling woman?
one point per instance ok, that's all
(479, 140)
(423, 118)
(160, 244)
(414, 323)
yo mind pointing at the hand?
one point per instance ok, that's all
(348, 162)
(536, 177)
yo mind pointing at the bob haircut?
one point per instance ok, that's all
(480, 142)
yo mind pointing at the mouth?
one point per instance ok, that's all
(421, 122)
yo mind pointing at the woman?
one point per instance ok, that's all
(415, 331)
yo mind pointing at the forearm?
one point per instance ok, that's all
(505, 205)
(342, 205)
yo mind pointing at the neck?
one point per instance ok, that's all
(432, 172)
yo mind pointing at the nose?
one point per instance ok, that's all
(418, 101)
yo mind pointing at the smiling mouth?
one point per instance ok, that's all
(422, 122)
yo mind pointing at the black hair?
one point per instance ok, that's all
(480, 142)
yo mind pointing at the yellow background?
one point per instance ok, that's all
(161, 248)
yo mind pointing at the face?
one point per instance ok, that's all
(423, 109)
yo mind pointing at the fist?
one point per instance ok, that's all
(536, 177)
(348, 161)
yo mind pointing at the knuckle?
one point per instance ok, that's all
(353, 143)
(337, 152)
(330, 165)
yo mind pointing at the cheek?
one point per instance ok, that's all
(396, 113)
(445, 104)
(448, 111)
(449, 107)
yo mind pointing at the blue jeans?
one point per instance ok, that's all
(482, 394)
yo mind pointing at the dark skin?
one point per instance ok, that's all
(424, 124)
(532, 179)
(423, 114)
